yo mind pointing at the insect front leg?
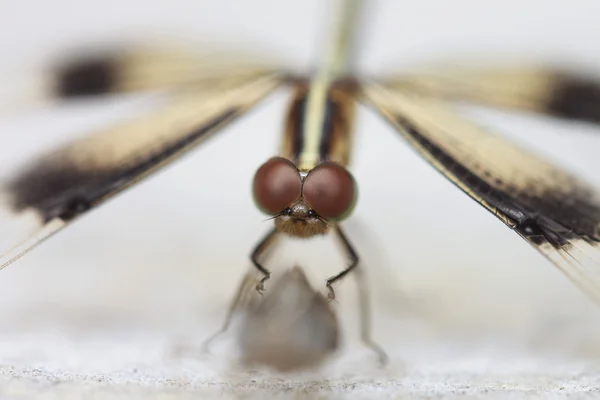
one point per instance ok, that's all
(240, 298)
(364, 304)
(350, 252)
(259, 253)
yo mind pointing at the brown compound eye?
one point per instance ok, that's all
(330, 190)
(277, 183)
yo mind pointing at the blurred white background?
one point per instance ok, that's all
(169, 253)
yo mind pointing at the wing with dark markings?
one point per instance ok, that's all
(136, 68)
(551, 209)
(559, 93)
(59, 187)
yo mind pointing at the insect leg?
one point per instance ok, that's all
(239, 298)
(350, 252)
(258, 252)
(364, 304)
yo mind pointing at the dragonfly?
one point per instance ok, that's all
(307, 188)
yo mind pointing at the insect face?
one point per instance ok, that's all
(302, 206)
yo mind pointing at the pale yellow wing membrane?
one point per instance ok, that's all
(560, 93)
(132, 68)
(553, 210)
(138, 68)
(58, 187)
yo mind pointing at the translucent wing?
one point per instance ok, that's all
(551, 209)
(549, 91)
(55, 189)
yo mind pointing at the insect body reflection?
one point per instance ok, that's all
(291, 327)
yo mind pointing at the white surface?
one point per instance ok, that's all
(115, 291)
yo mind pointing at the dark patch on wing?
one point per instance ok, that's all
(57, 187)
(86, 77)
(576, 98)
(75, 207)
(539, 219)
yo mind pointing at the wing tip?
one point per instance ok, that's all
(47, 230)
(576, 98)
(87, 76)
